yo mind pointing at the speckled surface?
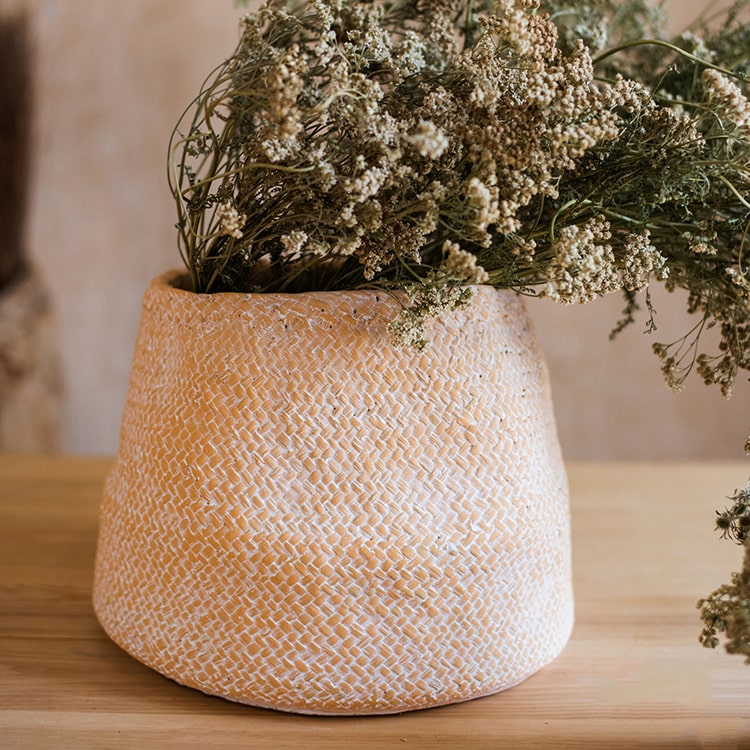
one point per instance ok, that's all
(303, 517)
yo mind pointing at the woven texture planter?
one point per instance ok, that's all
(303, 517)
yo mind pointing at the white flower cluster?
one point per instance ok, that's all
(583, 268)
(483, 200)
(462, 265)
(702, 248)
(642, 260)
(285, 82)
(230, 219)
(428, 140)
(730, 99)
(294, 242)
(523, 249)
(739, 278)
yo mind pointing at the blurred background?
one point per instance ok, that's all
(109, 82)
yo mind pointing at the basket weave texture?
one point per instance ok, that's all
(302, 516)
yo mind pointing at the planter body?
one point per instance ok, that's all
(303, 517)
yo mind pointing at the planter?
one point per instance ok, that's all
(303, 517)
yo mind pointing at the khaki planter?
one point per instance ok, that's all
(303, 517)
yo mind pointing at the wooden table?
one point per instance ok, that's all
(632, 676)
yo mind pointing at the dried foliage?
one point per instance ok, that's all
(426, 146)
(561, 149)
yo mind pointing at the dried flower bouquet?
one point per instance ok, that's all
(561, 149)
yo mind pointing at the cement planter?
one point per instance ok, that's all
(303, 517)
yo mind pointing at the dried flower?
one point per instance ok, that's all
(230, 220)
(428, 140)
(462, 265)
(727, 610)
(729, 101)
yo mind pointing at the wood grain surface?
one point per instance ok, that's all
(632, 676)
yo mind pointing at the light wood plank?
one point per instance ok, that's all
(632, 676)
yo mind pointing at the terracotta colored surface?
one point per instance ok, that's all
(302, 516)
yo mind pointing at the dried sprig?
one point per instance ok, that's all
(726, 611)
(734, 522)
(347, 145)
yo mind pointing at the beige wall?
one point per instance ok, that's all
(113, 78)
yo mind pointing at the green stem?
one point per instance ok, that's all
(734, 190)
(667, 45)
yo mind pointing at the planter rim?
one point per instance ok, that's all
(165, 282)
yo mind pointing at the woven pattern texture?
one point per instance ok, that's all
(304, 517)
